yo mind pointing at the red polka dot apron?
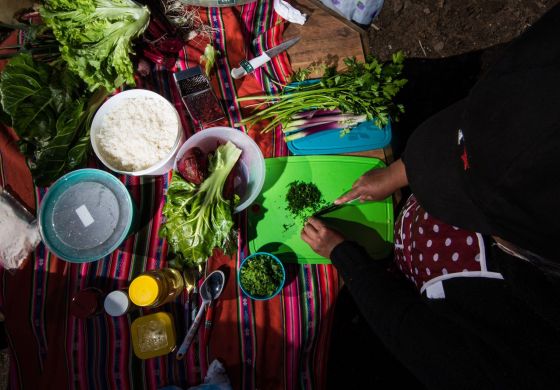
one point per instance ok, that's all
(429, 251)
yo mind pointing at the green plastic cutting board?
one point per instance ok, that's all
(370, 224)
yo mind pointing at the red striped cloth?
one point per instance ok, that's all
(278, 344)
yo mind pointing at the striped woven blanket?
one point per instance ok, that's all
(277, 344)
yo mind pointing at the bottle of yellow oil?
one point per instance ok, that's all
(155, 288)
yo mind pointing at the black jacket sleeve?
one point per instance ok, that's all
(440, 349)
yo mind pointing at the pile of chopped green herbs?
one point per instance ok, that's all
(364, 88)
(261, 276)
(303, 199)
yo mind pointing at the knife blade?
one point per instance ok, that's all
(333, 207)
(249, 66)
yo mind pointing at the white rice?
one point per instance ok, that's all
(137, 133)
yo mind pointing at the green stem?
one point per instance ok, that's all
(18, 26)
(292, 94)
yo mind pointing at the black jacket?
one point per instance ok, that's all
(485, 333)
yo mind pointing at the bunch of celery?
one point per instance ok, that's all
(197, 217)
(339, 100)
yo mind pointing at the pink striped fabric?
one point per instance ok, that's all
(277, 344)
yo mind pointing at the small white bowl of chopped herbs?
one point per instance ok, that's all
(261, 276)
(137, 132)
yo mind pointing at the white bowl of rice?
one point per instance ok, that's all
(137, 132)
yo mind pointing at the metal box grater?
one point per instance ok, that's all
(197, 95)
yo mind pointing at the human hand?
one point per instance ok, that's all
(377, 184)
(319, 237)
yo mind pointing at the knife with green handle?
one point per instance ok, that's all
(249, 66)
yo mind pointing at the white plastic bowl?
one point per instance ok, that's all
(160, 167)
(251, 160)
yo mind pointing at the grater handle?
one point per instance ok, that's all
(249, 66)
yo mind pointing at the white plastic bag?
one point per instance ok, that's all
(19, 234)
(360, 11)
(216, 378)
(291, 14)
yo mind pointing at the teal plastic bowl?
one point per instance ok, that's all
(86, 215)
(280, 287)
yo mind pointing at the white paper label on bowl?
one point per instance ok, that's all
(84, 215)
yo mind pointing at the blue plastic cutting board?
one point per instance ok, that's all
(365, 136)
(272, 228)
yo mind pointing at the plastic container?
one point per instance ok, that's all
(280, 285)
(87, 303)
(159, 168)
(365, 136)
(153, 335)
(117, 303)
(249, 184)
(155, 288)
(86, 215)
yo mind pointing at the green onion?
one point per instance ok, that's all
(365, 88)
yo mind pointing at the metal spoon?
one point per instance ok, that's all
(210, 290)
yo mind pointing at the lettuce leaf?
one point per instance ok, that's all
(198, 218)
(96, 37)
(49, 110)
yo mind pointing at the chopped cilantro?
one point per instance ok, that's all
(303, 200)
(260, 276)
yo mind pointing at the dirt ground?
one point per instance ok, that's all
(442, 28)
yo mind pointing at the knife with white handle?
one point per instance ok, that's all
(249, 66)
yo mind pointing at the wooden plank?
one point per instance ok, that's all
(326, 38)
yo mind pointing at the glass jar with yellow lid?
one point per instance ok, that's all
(155, 288)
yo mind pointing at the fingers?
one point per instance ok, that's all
(321, 239)
(311, 230)
(308, 233)
(352, 194)
(305, 237)
(356, 191)
(314, 223)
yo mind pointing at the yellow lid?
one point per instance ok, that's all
(144, 290)
(153, 335)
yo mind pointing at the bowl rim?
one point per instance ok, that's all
(280, 286)
(216, 131)
(129, 93)
(49, 194)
